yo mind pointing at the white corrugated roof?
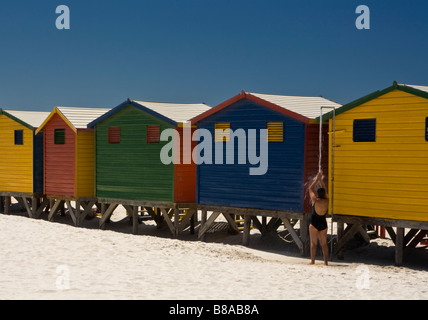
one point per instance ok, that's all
(80, 117)
(421, 88)
(306, 106)
(33, 118)
(179, 112)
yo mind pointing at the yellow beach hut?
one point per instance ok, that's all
(21, 161)
(379, 166)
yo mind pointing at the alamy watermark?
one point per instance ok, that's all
(363, 277)
(63, 277)
(251, 146)
(363, 20)
(63, 20)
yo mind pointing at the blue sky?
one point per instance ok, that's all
(205, 51)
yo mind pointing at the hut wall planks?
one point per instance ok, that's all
(16, 161)
(387, 178)
(60, 159)
(281, 188)
(132, 169)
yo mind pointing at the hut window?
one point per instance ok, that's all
(153, 134)
(426, 128)
(275, 131)
(19, 137)
(364, 130)
(222, 132)
(114, 135)
(59, 136)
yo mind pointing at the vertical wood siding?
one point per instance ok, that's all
(312, 159)
(280, 188)
(16, 161)
(387, 178)
(59, 159)
(132, 169)
(185, 174)
(38, 162)
(85, 163)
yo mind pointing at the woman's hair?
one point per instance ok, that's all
(321, 193)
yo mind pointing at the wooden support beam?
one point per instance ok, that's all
(37, 211)
(399, 247)
(107, 214)
(247, 229)
(409, 236)
(391, 233)
(201, 236)
(135, 220)
(273, 225)
(340, 233)
(168, 220)
(418, 238)
(294, 235)
(256, 223)
(157, 217)
(304, 233)
(204, 228)
(348, 235)
(71, 212)
(87, 209)
(6, 204)
(34, 206)
(23, 201)
(176, 221)
(187, 220)
(231, 221)
(57, 204)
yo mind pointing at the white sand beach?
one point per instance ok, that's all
(55, 260)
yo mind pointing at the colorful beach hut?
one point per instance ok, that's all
(129, 168)
(292, 153)
(69, 158)
(21, 161)
(380, 164)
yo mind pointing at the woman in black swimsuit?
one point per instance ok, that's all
(318, 225)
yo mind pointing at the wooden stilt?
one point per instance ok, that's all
(135, 220)
(107, 214)
(340, 232)
(304, 233)
(168, 220)
(418, 238)
(34, 206)
(71, 212)
(42, 206)
(201, 235)
(57, 204)
(247, 229)
(231, 220)
(23, 201)
(176, 221)
(294, 235)
(399, 247)
(208, 223)
(6, 205)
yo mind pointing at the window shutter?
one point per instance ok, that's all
(59, 136)
(222, 132)
(114, 135)
(153, 134)
(364, 130)
(19, 137)
(275, 131)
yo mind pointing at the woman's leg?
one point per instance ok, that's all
(324, 245)
(314, 235)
